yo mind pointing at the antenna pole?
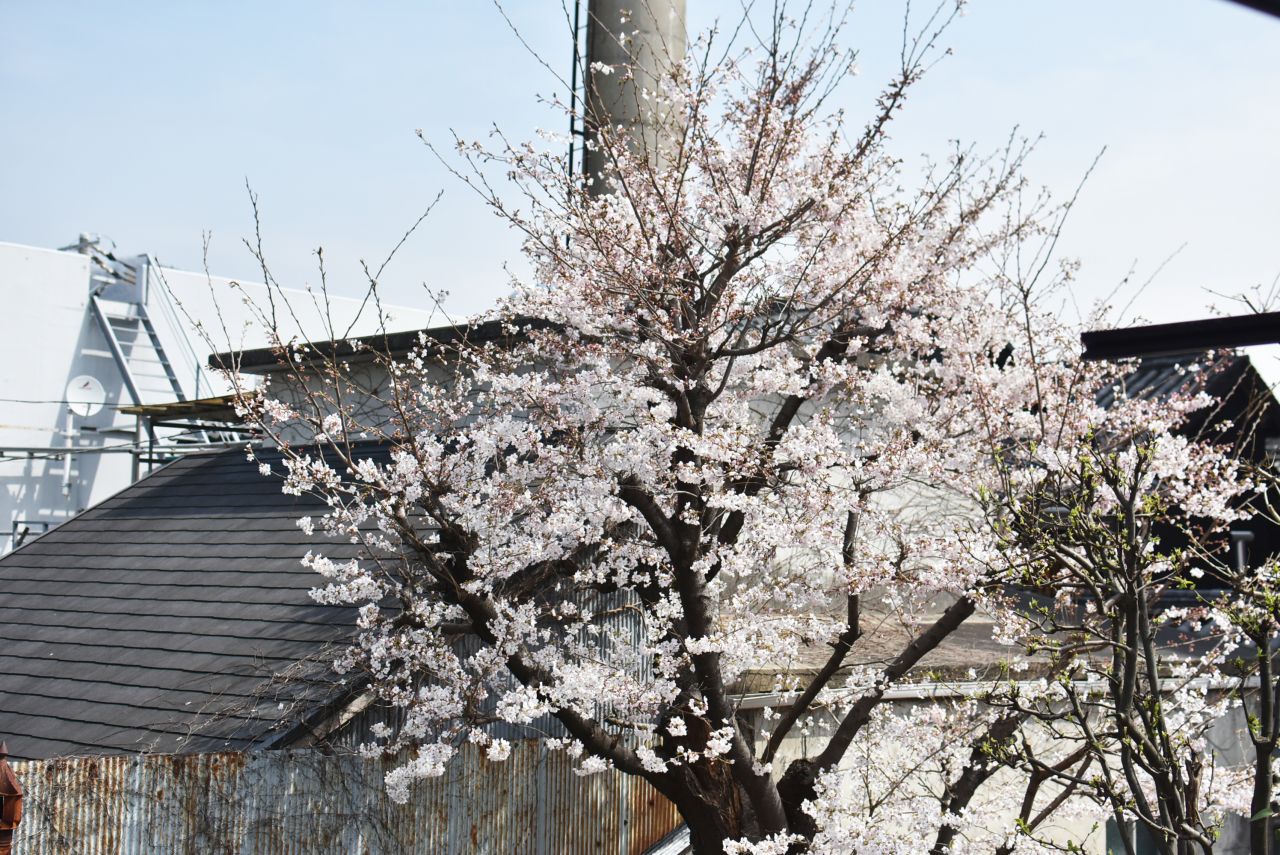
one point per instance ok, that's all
(573, 82)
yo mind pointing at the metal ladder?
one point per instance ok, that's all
(118, 297)
(124, 335)
(122, 292)
(129, 332)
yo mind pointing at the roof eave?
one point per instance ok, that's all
(264, 360)
(1182, 337)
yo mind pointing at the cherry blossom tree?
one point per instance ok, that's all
(1247, 613)
(753, 391)
(1106, 522)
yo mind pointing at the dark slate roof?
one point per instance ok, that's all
(1185, 373)
(1245, 415)
(1244, 401)
(173, 617)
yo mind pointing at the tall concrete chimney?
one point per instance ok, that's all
(647, 36)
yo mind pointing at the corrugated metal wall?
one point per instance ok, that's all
(302, 802)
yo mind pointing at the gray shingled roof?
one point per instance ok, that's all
(172, 617)
(1162, 376)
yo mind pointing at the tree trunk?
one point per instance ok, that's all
(1260, 826)
(714, 807)
(796, 786)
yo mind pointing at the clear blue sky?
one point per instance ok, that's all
(142, 120)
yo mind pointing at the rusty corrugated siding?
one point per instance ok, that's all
(303, 802)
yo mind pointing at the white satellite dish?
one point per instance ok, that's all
(85, 395)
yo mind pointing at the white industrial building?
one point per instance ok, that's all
(88, 333)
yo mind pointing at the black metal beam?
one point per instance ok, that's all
(1182, 337)
(1270, 7)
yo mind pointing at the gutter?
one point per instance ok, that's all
(938, 690)
(322, 721)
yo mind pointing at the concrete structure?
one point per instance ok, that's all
(65, 445)
(646, 37)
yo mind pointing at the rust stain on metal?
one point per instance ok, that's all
(303, 802)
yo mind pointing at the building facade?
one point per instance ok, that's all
(89, 333)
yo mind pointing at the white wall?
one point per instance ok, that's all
(47, 337)
(222, 314)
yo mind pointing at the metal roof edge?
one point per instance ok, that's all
(678, 842)
(263, 359)
(1182, 337)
